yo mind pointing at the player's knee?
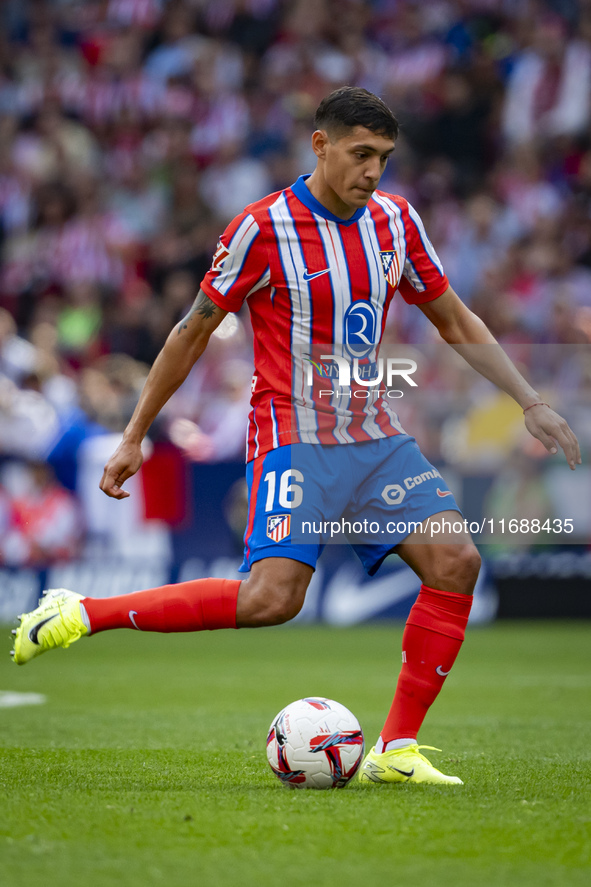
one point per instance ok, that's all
(466, 567)
(261, 603)
(274, 609)
(457, 568)
(280, 609)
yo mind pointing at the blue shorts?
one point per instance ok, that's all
(370, 495)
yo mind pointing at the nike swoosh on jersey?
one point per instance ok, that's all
(34, 632)
(308, 276)
(440, 671)
(443, 493)
(131, 614)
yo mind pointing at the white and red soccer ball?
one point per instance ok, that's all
(315, 743)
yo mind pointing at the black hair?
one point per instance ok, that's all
(352, 106)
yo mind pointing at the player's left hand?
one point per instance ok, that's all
(552, 430)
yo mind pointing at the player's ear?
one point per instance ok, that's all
(319, 142)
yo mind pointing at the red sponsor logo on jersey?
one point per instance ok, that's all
(278, 527)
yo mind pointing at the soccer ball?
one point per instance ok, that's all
(315, 743)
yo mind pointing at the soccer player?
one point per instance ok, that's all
(319, 263)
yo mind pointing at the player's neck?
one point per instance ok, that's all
(329, 199)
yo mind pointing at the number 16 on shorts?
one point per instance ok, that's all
(275, 488)
(290, 490)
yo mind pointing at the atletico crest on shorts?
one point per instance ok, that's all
(390, 266)
(278, 527)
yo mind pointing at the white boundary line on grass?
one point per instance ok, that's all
(12, 699)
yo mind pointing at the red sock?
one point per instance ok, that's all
(431, 641)
(202, 604)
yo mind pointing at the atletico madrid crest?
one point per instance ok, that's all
(278, 527)
(390, 266)
(220, 256)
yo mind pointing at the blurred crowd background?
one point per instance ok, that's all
(132, 131)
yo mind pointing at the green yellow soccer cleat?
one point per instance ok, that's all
(55, 623)
(403, 765)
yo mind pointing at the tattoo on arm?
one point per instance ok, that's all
(202, 305)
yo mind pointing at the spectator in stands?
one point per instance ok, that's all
(549, 89)
(130, 130)
(45, 521)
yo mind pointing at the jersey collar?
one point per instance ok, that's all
(300, 189)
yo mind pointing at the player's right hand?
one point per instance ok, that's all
(123, 464)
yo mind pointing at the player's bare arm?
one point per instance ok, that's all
(467, 333)
(183, 347)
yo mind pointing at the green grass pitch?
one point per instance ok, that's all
(147, 764)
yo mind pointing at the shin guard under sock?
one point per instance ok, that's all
(431, 641)
(202, 604)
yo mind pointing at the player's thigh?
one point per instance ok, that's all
(451, 564)
(273, 593)
(402, 489)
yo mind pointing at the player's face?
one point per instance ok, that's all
(349, 168)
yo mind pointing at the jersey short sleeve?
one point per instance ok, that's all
(423, 278)
(240, 265)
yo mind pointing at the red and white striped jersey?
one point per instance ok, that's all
(312, 279)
